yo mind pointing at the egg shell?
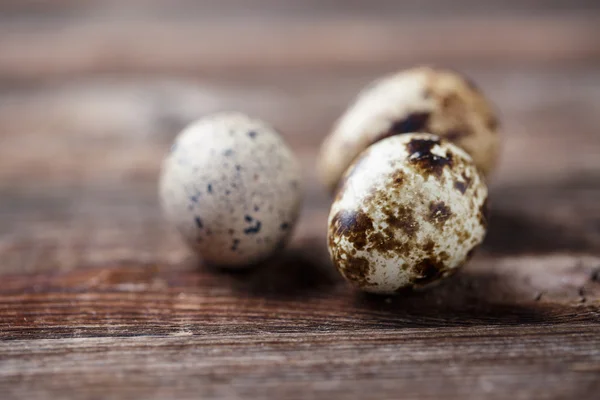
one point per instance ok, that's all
(232, 187)
(410, 210)
(422, 99)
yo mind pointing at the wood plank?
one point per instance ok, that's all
(292, 293)
(365, 361)
(41, 51)
(513, 323)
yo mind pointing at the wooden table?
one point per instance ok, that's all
(100, 299)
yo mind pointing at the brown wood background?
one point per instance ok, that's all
(98, 297)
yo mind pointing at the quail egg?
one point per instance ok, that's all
(409, 211)
(422, 99)
(231, 186)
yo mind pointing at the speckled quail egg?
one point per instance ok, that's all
(231, 186)
(409, 211)
(422, 99)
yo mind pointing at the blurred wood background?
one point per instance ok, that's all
(98, 297)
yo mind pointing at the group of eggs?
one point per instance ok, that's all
(406, 162)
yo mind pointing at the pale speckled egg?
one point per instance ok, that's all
(409, 211)
(422, 99)
(232, 187)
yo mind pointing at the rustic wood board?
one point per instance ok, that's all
(99, 298)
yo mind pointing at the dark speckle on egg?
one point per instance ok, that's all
(439, 213)
(422, 155)
(427, 271)
(421, 146)
(461, 186)
(357, 270)
(353, 225)
(414, 122)
(253, 229)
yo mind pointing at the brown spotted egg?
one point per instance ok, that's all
(416, 100)
(231, 186)
(409, 211)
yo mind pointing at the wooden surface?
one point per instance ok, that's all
(100, 299)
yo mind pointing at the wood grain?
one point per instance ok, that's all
(374, 362)
(100, 299)
(251, 46)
